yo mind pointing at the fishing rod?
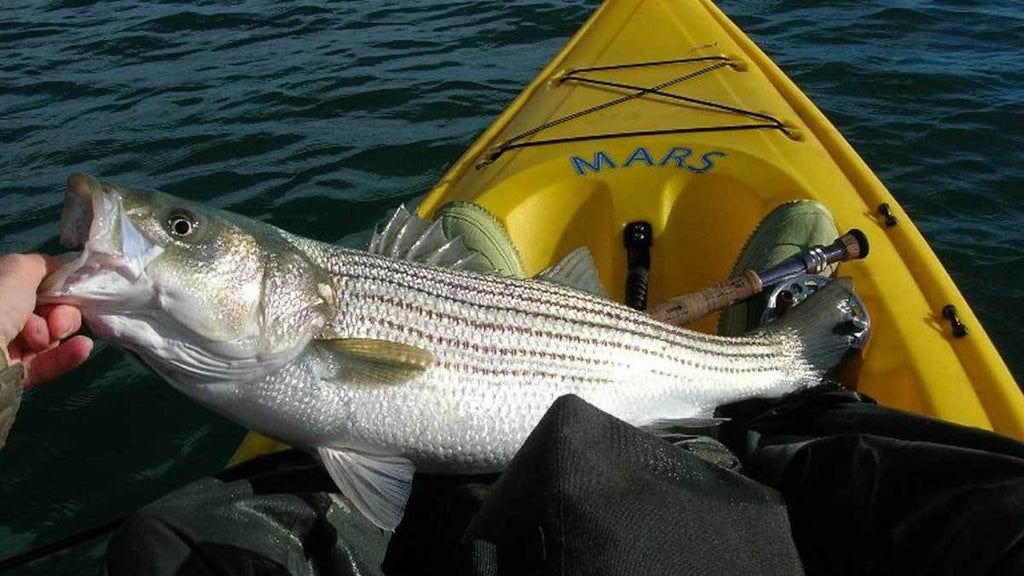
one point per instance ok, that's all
(682, 310)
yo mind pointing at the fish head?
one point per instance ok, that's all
(202, 295)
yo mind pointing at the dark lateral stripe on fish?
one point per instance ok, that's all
(529, 293)
(672, 355)
(693, 340)
(677, 356)
(665, 336)
(455, 365)
(471, 368)
(463, 345)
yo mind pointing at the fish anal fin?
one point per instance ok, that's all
(669, 427)
(367, 361)
(377, 485)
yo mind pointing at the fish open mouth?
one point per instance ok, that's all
(77, 216)
(112, 249)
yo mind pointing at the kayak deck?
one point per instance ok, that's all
(666, 112)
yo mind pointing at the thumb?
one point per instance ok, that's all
(20, 275)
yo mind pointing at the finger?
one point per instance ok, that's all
(16, 350)
(35, 334)
(62, 320)
(28, 267)
(20, 275)
(57, 361)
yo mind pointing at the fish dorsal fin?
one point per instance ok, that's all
(365, 361)
(577, 270)
(406, 236)
(430, 244)
(383, 238)
(377, 485)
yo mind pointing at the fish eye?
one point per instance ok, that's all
(181, 224)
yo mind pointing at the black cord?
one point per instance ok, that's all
(513, 142)
(650, 63)
(708, 103)
(585, 137)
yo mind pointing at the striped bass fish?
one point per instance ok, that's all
(381, 365)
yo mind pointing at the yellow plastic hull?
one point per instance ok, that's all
(704, 204)
(704, 192)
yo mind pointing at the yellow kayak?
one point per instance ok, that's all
(664, 111)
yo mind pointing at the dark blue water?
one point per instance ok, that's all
(319, 118)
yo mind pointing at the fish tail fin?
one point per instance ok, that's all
(830, 324)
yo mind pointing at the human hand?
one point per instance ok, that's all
(32, 335)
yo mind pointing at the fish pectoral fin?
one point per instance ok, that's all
(377, 362)
(377, 485)
(577, 270)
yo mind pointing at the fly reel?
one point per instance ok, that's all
(792, 291)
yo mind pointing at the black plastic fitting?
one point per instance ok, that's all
(637, 237)
(949, 313)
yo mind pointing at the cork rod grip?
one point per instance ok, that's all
(682, 310)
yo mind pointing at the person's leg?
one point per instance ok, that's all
(785, 231)
(590, 494)
(275, 515)
(871, 490)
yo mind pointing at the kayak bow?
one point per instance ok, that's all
(665, 112)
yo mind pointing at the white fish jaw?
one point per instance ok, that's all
(110, 269)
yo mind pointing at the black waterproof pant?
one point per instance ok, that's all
(820, 483)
